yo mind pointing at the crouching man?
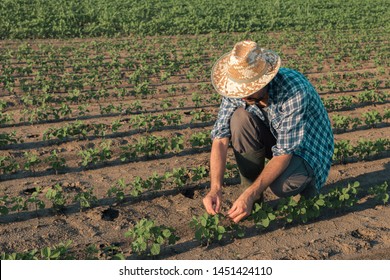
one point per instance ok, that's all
(266, 112)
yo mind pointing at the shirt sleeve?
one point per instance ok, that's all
(291, 124)
(221, 127)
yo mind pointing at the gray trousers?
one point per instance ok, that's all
(252, 141)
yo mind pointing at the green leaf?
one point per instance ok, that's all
(155, 249)
(46, 252)
(320, 202)
(118, 256)
(265, 222)
(160, 240)
(142, 246)
(221, 229)
(166, 233)
(271, 216)
(203, 221)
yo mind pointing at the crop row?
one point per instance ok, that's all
(345, 102)
(371, 118)
(148, 238)
(364, 149)
(40, 109)
(152, 146)
(142, 122)
(147, 146)
(121, 191)
(147, 122)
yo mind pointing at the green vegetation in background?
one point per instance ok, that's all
(90, 18)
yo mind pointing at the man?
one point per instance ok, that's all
(266, 112)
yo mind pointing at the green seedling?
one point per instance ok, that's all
(286, 208)
(198, 173)
(380, 193)
(200, 139)
(138, 186)
(4, 117)
(200, 116)
(372, 118)
(95, 155)
(57, 163)
(30, 255)
(4, 201)
(8, 164)
(342, 197)
(341, 122)
(307, 209)
(177, 143)
(8, 138)
(208, 228)
(172, 118)
(86, 199)
(118, 190)
(342, 150)
(151, 145)
(197, 99)
(180, 177)
(157, 181)
(56, 195)
(17, 204)
(262, 215)
(147, 238)
(31, 161)
(58, 252)
(34, 200)
(166, 104)
(116, 125)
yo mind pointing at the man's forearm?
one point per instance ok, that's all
(218, 162)
(271, 171)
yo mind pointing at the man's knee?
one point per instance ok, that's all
(284, 187)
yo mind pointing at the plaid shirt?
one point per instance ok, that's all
(296, 117)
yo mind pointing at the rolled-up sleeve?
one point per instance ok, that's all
(291, 124)
(221, 127)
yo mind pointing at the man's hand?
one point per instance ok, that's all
(212, 202)
(241, 208)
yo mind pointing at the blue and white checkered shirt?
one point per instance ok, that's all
(297, 119)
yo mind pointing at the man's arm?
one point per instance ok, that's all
(242, 207)
(212, 201)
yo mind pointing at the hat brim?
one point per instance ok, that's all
(229, 88)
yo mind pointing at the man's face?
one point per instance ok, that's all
(257, 96)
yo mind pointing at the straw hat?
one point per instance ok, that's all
(245, 70)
